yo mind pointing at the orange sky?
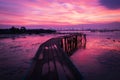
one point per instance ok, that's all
(58, 12)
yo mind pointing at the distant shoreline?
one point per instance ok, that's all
(23, 30)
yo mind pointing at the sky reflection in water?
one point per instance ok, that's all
(16, 55)
(100, 59)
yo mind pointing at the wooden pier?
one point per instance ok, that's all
(73, 42)
(52, 62)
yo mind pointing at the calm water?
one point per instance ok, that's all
(99, 61)
(16, 53)
(101, 58)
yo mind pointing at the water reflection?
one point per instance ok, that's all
(16, 54)
(100, 59)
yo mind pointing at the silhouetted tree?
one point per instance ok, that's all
(23, 29)
(14, 30)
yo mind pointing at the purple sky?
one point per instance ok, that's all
(58, 12)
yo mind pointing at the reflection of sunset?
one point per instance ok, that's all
(103, 44)
(101, 58)
(57, 12)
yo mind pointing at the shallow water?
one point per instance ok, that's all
(16, 54)
(100, 60)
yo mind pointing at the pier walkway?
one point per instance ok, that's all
(52, 61)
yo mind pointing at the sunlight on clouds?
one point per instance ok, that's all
(55, 12)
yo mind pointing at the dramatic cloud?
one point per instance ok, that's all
(58, 12)
(111, 4)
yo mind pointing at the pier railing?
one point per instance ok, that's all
(51, 61)
(73, 42)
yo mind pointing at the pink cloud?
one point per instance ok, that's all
(55, 12)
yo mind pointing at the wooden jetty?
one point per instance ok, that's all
(52, 62)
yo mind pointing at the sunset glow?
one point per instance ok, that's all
(58, 12)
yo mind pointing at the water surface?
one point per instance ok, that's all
(16, 54)
(101, 58)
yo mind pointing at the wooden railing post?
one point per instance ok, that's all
(70, 43)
